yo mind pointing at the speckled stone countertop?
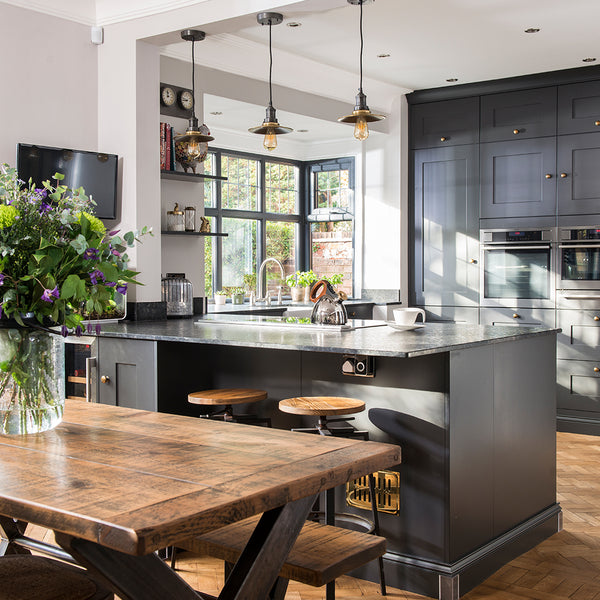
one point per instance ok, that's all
(381, 340)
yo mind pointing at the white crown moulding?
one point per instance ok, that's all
(63, 9)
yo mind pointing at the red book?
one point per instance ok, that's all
(169, 130)
(163, 153)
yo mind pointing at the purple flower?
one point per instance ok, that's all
(89, 327)
(110, 284)
(78, 331)
(50, 295)
(91, 254)
(113, 232)
(64, 331)
(115, 253)
(122, 288)
(1, 278)
(41, 192)
(98, 328)
(96, 275)
(45, 208)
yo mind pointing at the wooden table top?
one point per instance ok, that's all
(136, 481)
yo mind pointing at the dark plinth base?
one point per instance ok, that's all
(586, 426)
(450, 581)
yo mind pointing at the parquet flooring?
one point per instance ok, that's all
(563, 567)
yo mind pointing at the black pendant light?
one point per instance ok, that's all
(270, 127)
(195, 137)
(361, 115)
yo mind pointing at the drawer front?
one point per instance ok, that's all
(578, 385)
(518, 317)
(579, 107)
(359, 311)
(452, 314)
(517, 115)
(580, 337)
(447, 123)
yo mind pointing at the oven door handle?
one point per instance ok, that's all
(580, 296)
(579, 245)
(540, 247)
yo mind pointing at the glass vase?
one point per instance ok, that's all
(32, 380)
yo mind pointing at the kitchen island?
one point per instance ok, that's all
(473, 408)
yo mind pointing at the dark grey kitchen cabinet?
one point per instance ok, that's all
(446, 226)
(127, 373)
(578, 390)
(518, 115)
(518, 317)
(578, 163)
(518, 178)
(579, 107)
(448, 123)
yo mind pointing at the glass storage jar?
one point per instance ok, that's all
(175, 219)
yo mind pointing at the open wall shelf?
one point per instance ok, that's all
(200, 233)
(182, 176)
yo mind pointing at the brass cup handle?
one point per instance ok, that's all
(516, 316)
(516, 131)
(563, 175)
(597, 123)
(548, 176)
(596, 318)
(105, 379)
(443, 139)
(473, 261)
(596, 369)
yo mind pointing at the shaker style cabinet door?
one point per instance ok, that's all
(518, 178)
(579, 107)
(447, 123)
(446, 270)
(518, 115)
(127, 373)
(578, 163)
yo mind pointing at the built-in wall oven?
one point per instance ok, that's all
(517, 267)
(578, 258)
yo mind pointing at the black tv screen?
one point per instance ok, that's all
(94, 171)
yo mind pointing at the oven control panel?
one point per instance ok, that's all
(502, 236)
(580, 234)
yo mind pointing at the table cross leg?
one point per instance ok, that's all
(265, 553)
(131, 577)
(9, 530)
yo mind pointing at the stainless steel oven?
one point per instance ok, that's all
(578, 258)
(517, 267)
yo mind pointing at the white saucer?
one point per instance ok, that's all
(397, 327)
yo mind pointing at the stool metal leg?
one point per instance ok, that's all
(376, 531)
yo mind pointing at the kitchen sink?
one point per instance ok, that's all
(285, 322)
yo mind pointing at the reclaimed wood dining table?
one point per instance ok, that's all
(118, 484)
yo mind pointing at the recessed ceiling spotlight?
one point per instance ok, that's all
(216, 112)
(294, 24)
(384, 55)
(452, 79)
(532, 30)
(589, 59)
(302, 130)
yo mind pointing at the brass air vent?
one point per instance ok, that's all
(387, 489)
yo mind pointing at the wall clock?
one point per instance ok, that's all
(176, 101)
(167, 96)
(186, 100)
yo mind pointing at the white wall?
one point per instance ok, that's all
(49, 83)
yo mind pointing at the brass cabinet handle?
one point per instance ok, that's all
(597, 123)
(596, 318)
(105, 379)
(516, 316)
(563, 175)
(596, 370)
(515, 131)
(473, 261)
(443, 139)
(548, 176)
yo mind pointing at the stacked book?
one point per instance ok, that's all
(167, 147)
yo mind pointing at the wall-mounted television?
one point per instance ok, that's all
(96, 172)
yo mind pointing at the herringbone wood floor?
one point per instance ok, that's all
(566, 566)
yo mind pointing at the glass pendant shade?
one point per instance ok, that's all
(270, 127)
(361, 115)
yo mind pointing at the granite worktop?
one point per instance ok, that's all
(380, 340)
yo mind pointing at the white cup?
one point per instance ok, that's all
(408, 316)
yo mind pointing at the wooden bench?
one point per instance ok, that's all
(320, 555)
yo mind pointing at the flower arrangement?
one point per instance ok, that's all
(57, 261)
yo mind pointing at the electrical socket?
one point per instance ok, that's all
(358, 365)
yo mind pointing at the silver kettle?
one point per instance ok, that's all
(328, 309)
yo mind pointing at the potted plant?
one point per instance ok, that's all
(299, 284)
(237, 295)
(57, 264)
(220, 297)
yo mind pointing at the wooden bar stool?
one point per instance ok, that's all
(325, 407)
(27, 577)
(226, 398)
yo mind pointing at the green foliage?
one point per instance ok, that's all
(335, 279)
(55, 255)
(301, 279)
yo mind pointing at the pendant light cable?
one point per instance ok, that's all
(270, 65)
(193, 81)
(361, 47)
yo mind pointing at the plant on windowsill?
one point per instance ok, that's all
(57, 262)
(220, 297)
(299, 284)
(237, 295)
